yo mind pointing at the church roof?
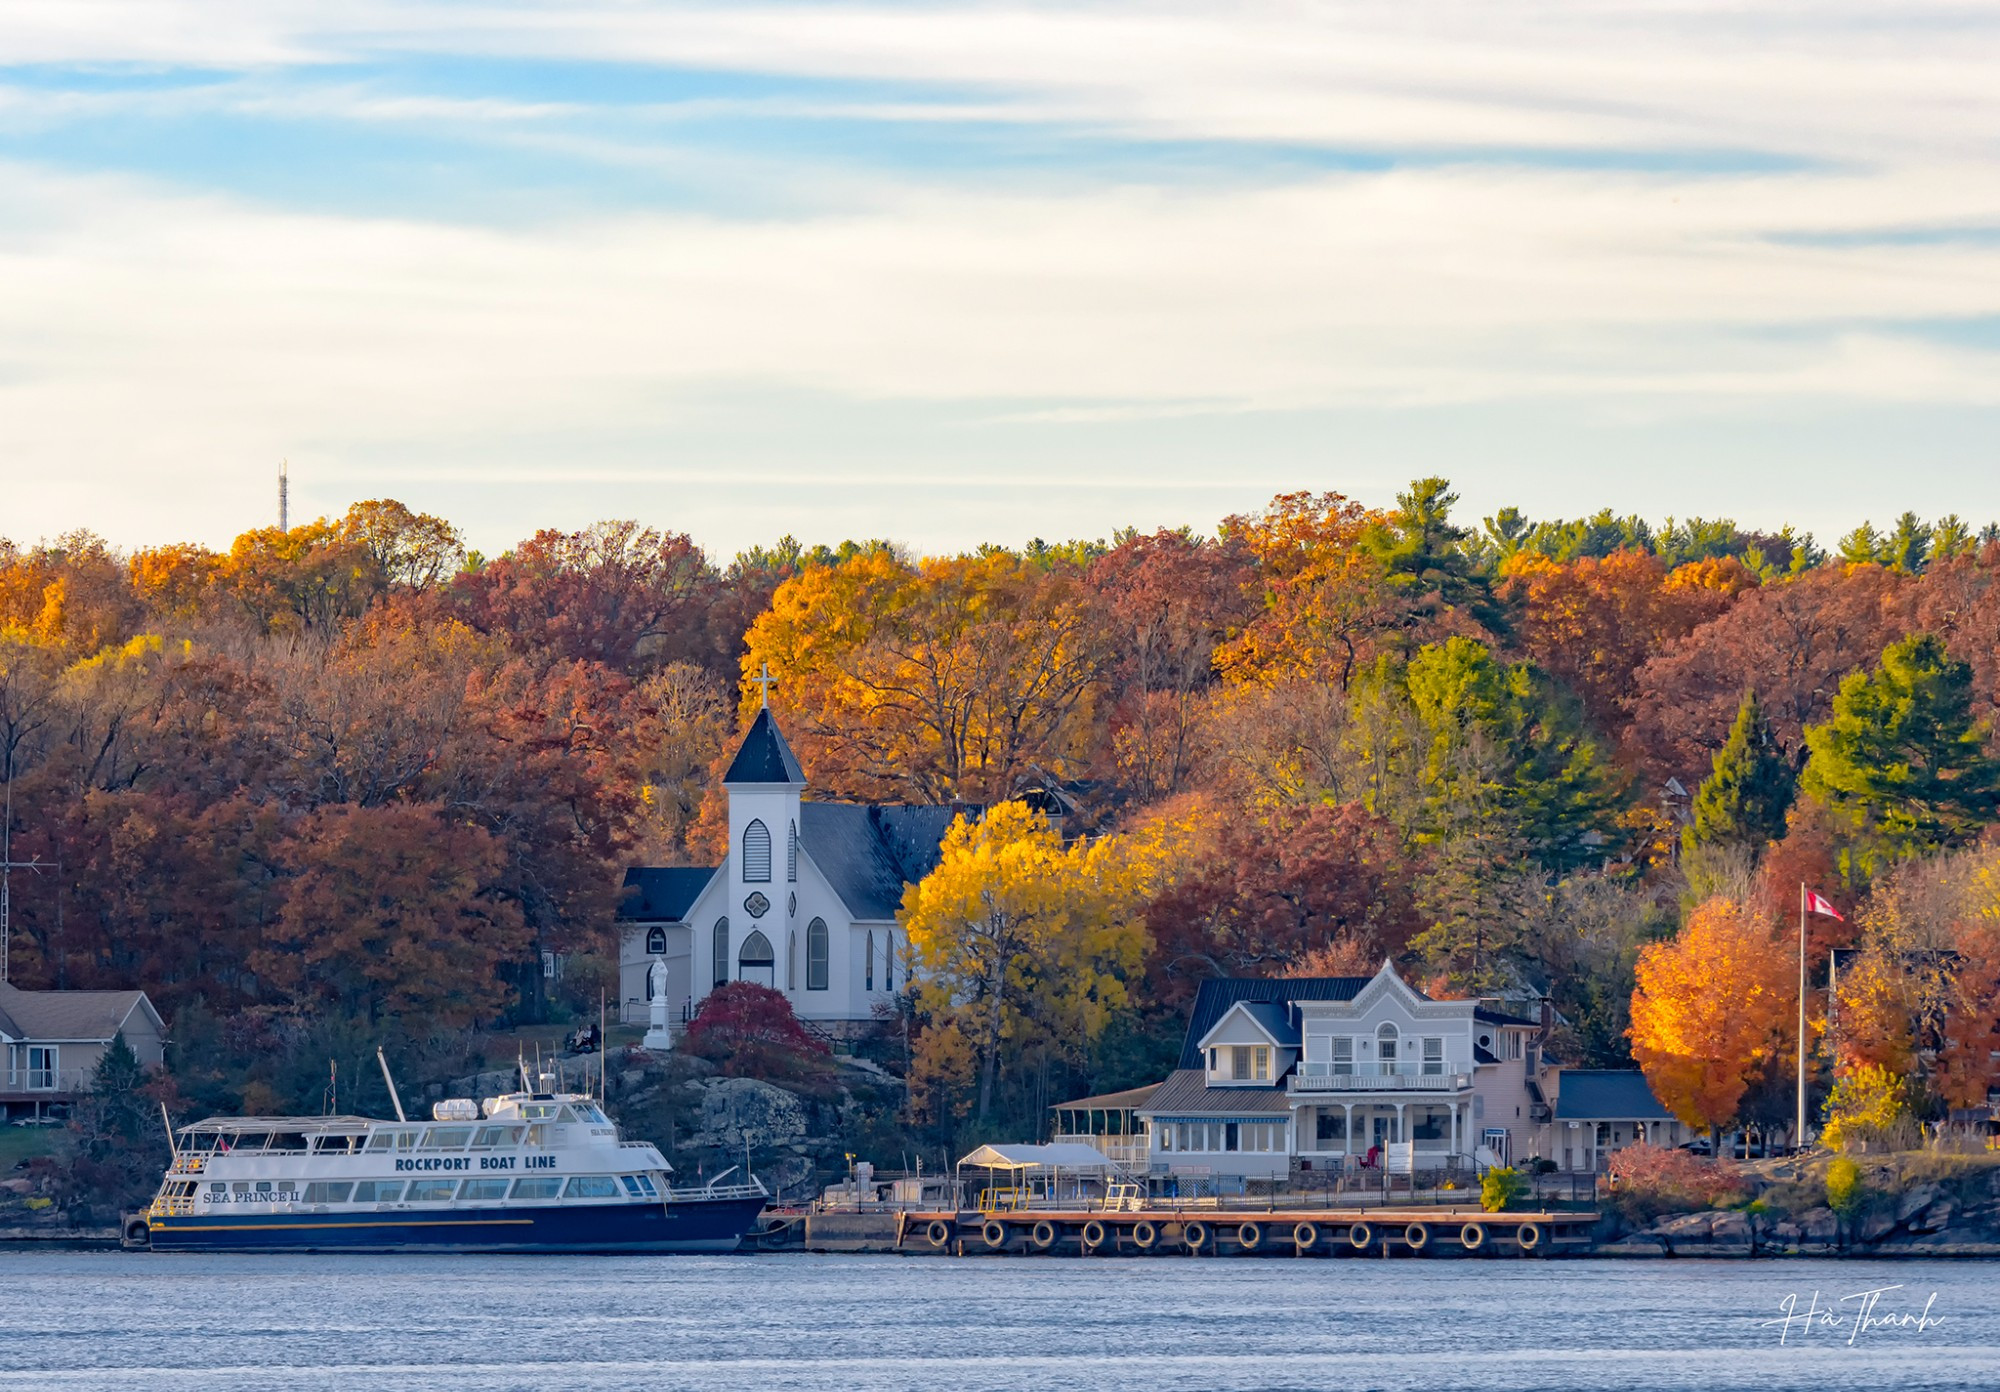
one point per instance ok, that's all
(662, 894)
(764, 757)
(1218, 994)
(868, 853)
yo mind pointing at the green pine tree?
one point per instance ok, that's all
(1744, 800)
(1902, 755)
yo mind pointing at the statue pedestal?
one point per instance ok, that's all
(658, 1036)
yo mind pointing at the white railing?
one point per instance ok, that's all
(1127, 1152)
(22, 1080)
(1376, 1076)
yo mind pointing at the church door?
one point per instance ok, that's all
(756, 963)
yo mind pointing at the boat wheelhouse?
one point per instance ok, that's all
(523, 1172)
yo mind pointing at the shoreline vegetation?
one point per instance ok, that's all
(349, 784)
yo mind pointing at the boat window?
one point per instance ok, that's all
(289, 1140)
(287, 1186)
(538, 1135)
(586, 1112)
(329, 1191)
(378, 1191)
(392, 1140)
(490, 1137)
(483, 1189)
(590, 1186)
(263, 1186)
(218, 1188)
(546, 1187)
(254, 1140)
(640, 1187)
(538, 1111)
(338, 1145)
(446, 1138)
(241, 1186)
(433, 1190)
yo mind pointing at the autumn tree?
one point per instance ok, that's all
(1327, 601)
(1902, 756)
(1709, 1013)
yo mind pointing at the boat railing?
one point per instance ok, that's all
(722, 1191)
(189, 1162)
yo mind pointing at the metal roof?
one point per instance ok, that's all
(662, 894)
(1068, 1156)
(764, 757)
(1128, 1100)
(1495, 1017)
(1217, 994)
(249, 1125)
(1186, 1093)
(1606, 1094)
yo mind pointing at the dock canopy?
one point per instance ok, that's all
(1036, 1157)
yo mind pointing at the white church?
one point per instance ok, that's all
(805, 902)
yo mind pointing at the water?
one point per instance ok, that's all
(580, 1324)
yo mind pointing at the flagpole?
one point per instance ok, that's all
(1799, 1135)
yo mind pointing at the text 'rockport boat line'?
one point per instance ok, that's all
(526, 1172)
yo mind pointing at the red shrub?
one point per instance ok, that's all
(749, 1030)
(1673, 1176)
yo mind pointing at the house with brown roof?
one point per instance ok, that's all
(51, 1041)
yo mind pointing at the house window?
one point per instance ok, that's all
(755, 962)
(756, 853)
(1430, 1124)
(816, 955)
(1260, 1063)
(792, 853)
(1232, 1136)
(1385, 1048)
(1330, 1126)
(1513, 1044)
(1343, 1055)
(1213, 1067)
(1239, 1064)
(1433, 1057)
(868, 980)
(720, 953)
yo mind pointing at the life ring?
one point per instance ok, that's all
(1359, 1236)
(1250, 1237)
(1529, 1235)
(938, 1233)
(1044, 1234)
(1093, 1234)
(1472, 1236)
(995, 1233)
(1418, 1236)
(1144, 1235)
(1195, 1235)
(1305, 1236)
(139, 1231)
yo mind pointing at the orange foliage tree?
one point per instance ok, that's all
(1709, 1012)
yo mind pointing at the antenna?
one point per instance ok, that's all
(393, 1098)
(8, 865)
(284, 495)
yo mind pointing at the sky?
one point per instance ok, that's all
(951, 273)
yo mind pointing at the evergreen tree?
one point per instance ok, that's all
(1909, 546)
(1423, 554)
(1902, 755)
(1744, 800)
(1862, 546)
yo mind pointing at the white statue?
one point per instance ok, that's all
(658, 1036)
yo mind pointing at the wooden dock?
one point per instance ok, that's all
(1319, 1232)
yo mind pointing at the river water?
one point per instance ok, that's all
(80, 1320)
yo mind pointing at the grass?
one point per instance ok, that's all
(18, 1143)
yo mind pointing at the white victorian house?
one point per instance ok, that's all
(805, 901)
(1317, 1072)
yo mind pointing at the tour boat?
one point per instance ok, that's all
(540, 1171)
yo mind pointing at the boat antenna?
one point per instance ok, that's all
(394, 1100)
(521, 1065)
(332, 1100)
(603, 1064)
(172, 1149)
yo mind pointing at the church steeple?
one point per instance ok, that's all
(764, 757)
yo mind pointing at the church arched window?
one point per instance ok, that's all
(792, 960)
(888, 961)
(656, 942)
(754, 962)
(792, 853)
(817, 951)
(721, 953)
(868, 982)
(756, 853)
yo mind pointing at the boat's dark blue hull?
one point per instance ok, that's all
(696, 1225)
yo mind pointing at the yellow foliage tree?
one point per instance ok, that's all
(1709, 1012)
(1016, 933)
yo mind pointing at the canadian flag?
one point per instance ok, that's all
(1816, 903)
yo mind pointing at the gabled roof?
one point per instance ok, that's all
(662, 894)
(1218, 994)
(764, 757)
(69, 1015)
(1606, 1094)
(1186, 1093)
(869, 853)
(1269, 1016)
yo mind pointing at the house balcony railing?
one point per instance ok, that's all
(43, 1082)
(1376, 1076)
(1126, 1152)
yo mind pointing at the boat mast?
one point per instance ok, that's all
(394, 1100)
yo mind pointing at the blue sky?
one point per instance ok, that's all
(951, 273)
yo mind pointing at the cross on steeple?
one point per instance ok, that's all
(766, 681)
